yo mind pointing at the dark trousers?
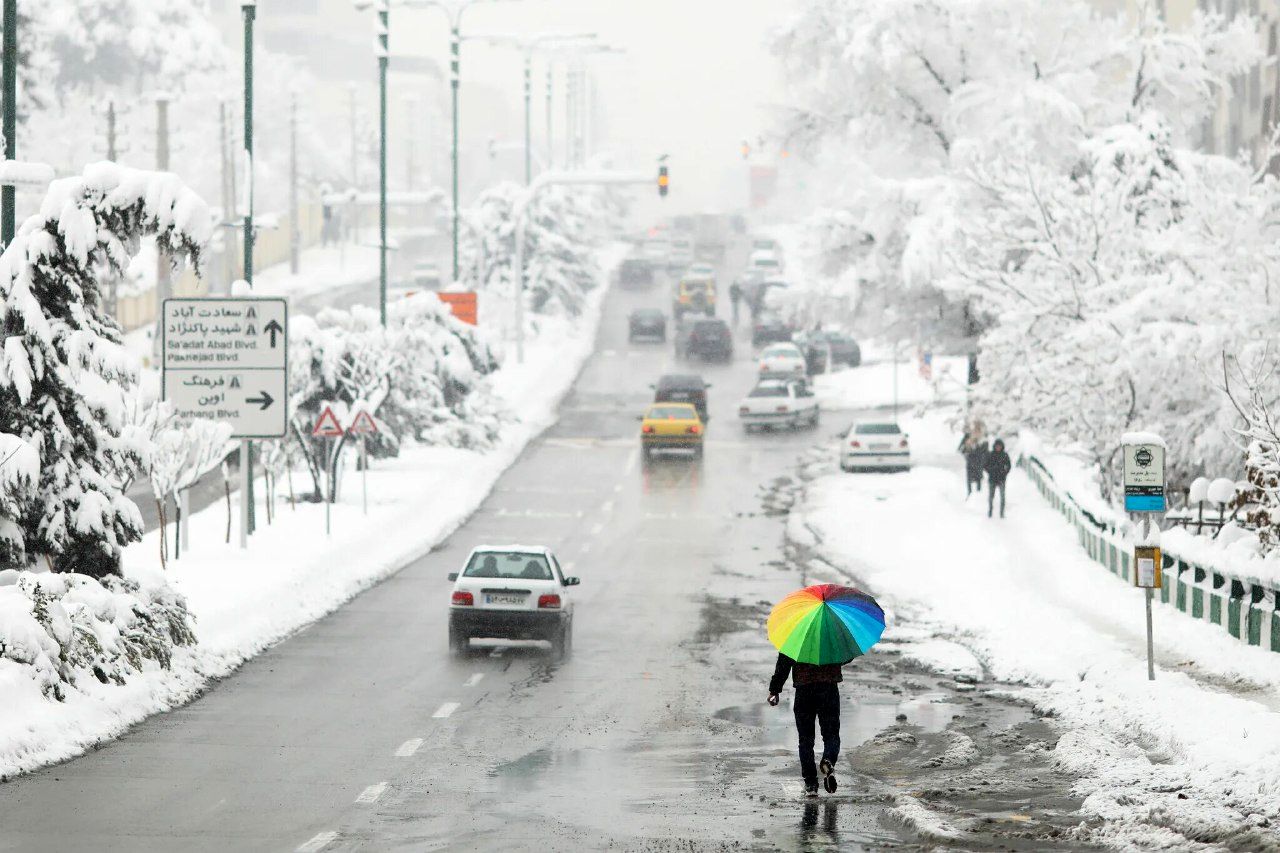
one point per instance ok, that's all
(991, 497)
(820, 702)
(973, 483)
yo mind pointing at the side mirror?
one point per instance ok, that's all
(639, 417)
(453, 576)
(708, 385)
(572, 581)
(651, 387)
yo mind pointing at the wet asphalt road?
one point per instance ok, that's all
(362, 732)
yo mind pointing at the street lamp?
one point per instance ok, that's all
(9, 91)
(577, 52)
(383, 32)
(453, 9)
(529, 45)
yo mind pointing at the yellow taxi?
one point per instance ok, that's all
(671, 426)
(695, 294)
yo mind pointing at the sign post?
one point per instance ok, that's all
(1144, 494)
(363, 426)
(227, 359)
(327, 426)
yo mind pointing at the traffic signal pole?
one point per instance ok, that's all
(521, 210)
(249, 7)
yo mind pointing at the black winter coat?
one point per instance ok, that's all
(997, 466)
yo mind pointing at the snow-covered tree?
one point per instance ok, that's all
(421, 377)
(564, 228)
(64, 374)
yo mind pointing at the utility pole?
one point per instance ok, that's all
(455, 81)
(411, 136)
(227, 146)
(294, 235)
(355, 137)
(249, 8)
(528, 117)
(9, 85)
(569, 82)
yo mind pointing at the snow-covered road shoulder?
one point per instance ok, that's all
(1193, 755)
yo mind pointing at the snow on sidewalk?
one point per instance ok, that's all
(291, 574)
(1195, 754)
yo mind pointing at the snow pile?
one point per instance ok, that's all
(1193, 756)
(870, 386)
(57, 630)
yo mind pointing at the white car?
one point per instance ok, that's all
(779, 402)
(765, 263)
(426, 276)
(680, 254)
(511, 592)
(782, 361)
(876, 446)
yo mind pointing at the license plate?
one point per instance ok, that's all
(504, 599)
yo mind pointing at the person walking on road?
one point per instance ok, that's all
(735, 297)
(974, 448)
(997, 466)
(817, 699)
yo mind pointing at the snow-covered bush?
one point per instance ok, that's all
(565, 225)
(67, 627)
(64, 375)
(421, 377)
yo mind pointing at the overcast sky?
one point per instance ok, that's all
(696, 79)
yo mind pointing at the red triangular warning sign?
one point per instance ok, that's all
(364, 423)
(327, 425)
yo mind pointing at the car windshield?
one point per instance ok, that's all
(769, 391)
(670, 413)
(877, 429)
(781, 351)
(766, 262)
(510, 565)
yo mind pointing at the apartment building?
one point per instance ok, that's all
(1249, 109)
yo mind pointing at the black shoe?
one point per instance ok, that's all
(811, 787)
(828, 776)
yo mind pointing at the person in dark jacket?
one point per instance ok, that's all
(817, 698)
(974, 448)
(735, 296)
(997, 466)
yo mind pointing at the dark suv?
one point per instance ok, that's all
(682, 388)
(635, 272)
(646, 323)
(710, 340)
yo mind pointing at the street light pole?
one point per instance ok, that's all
(384, 58)
(455, 81)
(9, 84)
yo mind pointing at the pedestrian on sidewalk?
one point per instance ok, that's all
(735, 297)
(817, 699)
(998, 467)
(974, 448)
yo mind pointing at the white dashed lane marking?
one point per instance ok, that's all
(474, 680)
(371, 793)
(446, 710)
(597, 528)
(409, 747)
(319, 842)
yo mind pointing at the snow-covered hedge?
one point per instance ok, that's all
(421, 377)
(64, 628)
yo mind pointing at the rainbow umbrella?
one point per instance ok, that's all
(825, 623)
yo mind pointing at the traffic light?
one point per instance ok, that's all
(663, 181)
